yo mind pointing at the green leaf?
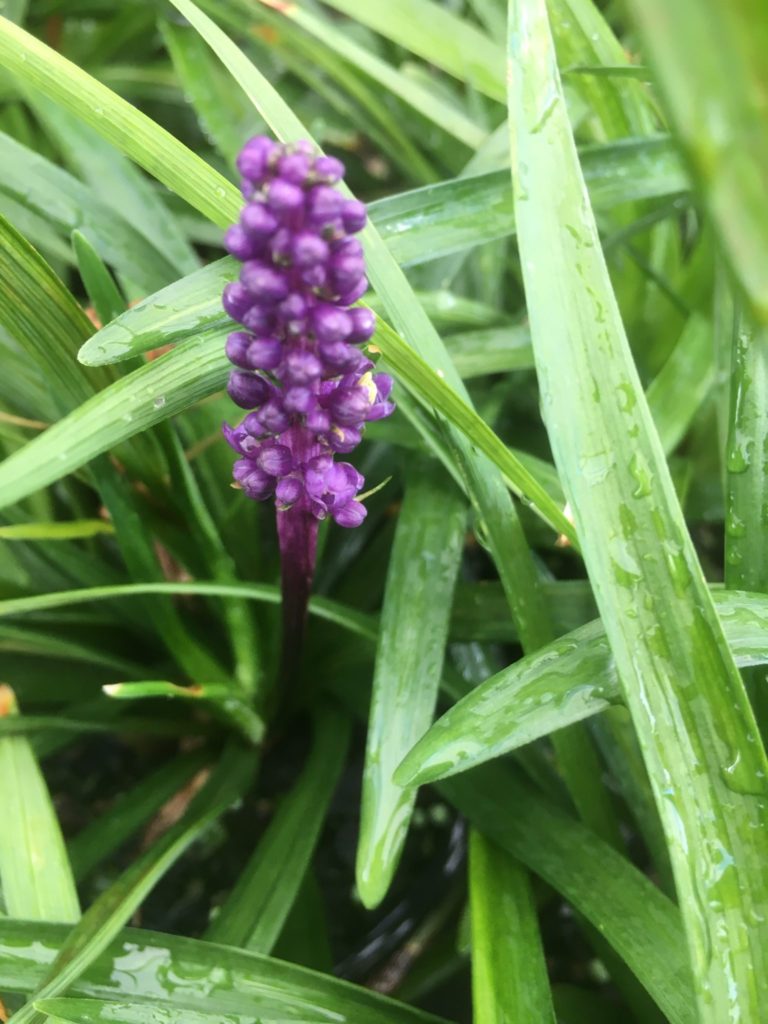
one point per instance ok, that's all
(409, 659)
(123, 125)
(568, 680)
(104, 835)
(640, 923)
(440, 37)
(64, 201)
(109, 913)
(102, 291)
(659, 616)
(509, 975)
(36, 881)
(245, 983)
(256, 909)
(709, 62)
(331, 35)
(331, 611)
(75, 529)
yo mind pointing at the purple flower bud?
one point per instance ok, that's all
(363, 323)
(253, 157)
(352, 514)
(236, 300)
(331, 324)
(239, 439)
(338, 355)
(258, 485)
(284, 198)
(255, 429)
(346, 271)
(314, 277)
(301, 367)
(353, 216)
(347, 298)
(247, 390)
(325, 203)
(349, 406)
(344, 439)
(309, 249)
(264, 353)
(274, 416)
(275, 459)
(236, 348)
(281, 247)
(257, 221)
(288, 491)
(266, 284)
(238, 244)
(294, 167)
(298, 399)
(328, 168)
(258, 319)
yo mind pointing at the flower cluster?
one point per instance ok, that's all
(309, 388)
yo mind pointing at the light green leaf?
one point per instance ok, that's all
(659, 616)
(36, 881)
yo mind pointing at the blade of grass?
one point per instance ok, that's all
(439, 36)
(109, 913)
(658, 613)
(105, 835)
(570, 679)
(253, 915)
(123, 125)
(253, 984)
(709, 61)
(36, 880)
(409, 659)
(102, 291)
(509, 975)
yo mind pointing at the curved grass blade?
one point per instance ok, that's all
(331, 35)
(509, 974)
(659, 616)
(409, 659)
(64, 201)
(117, 182)
(102, 291)
(123, 125)
(709, 61)
(104, 918)
(253, 915)
(641, 924)
(36, 882)
(99, 840)
(331, 611)
(569, 680)
(249, 984)
(439, 36)
(99, 1011)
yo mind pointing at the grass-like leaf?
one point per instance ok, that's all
(659, 616)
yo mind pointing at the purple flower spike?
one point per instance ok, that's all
(311, 389)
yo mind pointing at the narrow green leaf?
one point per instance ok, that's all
(641, 924)
(439, 36)
(255, 911)
(709, 61)
(679, 389)
(331, 35)
(99, 840)
(120, 123)
(409, 659)
(75, 529)
(659, 616)
(99, 1011)
(566, 681)
(246, 983)
(36, 881)
(331, 611)
(64, 201)
(104, 918)
(509, 975)
(102, 291)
